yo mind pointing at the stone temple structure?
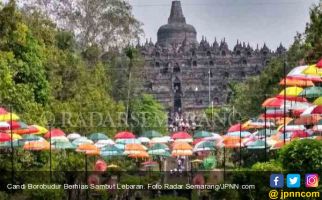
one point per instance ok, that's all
(184, 74)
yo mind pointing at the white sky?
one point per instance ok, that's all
(253, 21)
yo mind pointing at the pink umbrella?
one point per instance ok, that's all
(236, 127)
(124, 135)
(54, 133)
(181, 135)
(299, 134)
(319, 64)
(4, 137)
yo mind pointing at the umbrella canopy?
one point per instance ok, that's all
(164, 139)
(313, 70)
(239, 133)
(41, 130)
(318, 101)
(97, 136)
(196, 161)
(159, 146)
(204, 146)
(230, 142)
(319, 64)
(144, 140)
(112, 166)
(312, 92)
(297, 73)
(36, 145)
(86, 147)
(124, 135)
(235, 127)
(149, 163)
(82, 140)
(63, 145)
(202, 134)
(159, 152)
(16, 143)
(279, 144)
(182, 146)
(102, 143)
(151, 134)
(73, 136)
(269, 132)
(296, 82)
(181, 135)
(258, 144)
(128, 141)
(8, 116)
(59, 139)
(54, 133)
(4, 137)
(139, 154)
(28, 130)
(111, 150)
(312, 110)
(179, 152)
(292, 91)
(135, 147)
(32, 138)
(273, 102)
(214, 136)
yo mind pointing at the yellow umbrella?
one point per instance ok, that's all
(112, 166)
(318, 101)
(41, 130)
(8, 117)
(15, 136)
(292, 91)
(313, 70)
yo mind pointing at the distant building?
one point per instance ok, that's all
(184, 74)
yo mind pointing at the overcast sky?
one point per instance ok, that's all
(253, 21)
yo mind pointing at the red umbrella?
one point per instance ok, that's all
(54, 133)
(299, 134)
(3, 111)
(124, 135)
(181, 135)
(28, 130)
(273, 102)
(196, 141)
(317, 110)
(292, 98)
(236, 127)
(319, 64)
(4, 137)
(100, 166)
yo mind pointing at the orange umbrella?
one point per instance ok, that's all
(307, 120)
(279, 144)
(231, 142)
(134, 147)
(181, 153)
(36, 145)
(182, 146)
(86, 148)
(92, 152)
(296, 82)
(139, 154)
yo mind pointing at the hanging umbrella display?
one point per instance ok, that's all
(32, 138)
(179, 152)
(40, 129)
(181, 135)
(4, 137)
(144, 140)
(182, 146)
(8, 116)
(159, 152)
(28, 130)
(15, 143)
(239, 133)
(124, 135)
(297, 73)
(59, 139)
(313, 70)
(63, 145)
(273, 102)
(89, 149)
(54, 133)
(133, 148)
(202, 134)
(139, 154)
(98, 136)
(128, 141)
(73, 136)
(292, 91)
(159, 146)
(151, 134)
(312, 92)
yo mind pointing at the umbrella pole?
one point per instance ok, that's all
(12, 149)
(265, 134)
(284, 131)
(240, 136)
(224, 163)
(50, 152)
(86, 173)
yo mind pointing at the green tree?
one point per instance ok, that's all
(302, 155)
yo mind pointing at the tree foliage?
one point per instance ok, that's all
(104, 22)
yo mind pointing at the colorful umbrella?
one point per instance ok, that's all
(135, 147)
(4, 137)
(102, 143)
(97, 136)
(313, 70)
(7, 117)
(292, 91)
(204, 146)
(179, 152)
(87, 148)
(36, 145)
(258, 144)
(63, 145)
(16, 143)
(82, 140)
(159, 152)
(124, 135)
(151, 134)
(319, 64)
(128, 141)
(312, 92)
(239, 133)
(41, 130)
(144, 140)
(73, 136)
(181, 135)
(159, 146)
(139, 154)
(28, 137)
(296, 82)
(202, 134)
(318, 101)
(111, 150)
(164, 139)
(54, 133)
(273, 102)
(297, 73)
(182, 146)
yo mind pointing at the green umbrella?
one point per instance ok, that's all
(210, 162)
(15, 143)
(258, 144)
(204, 146)
(269, 132)
(158, 146)
(151, 134)
(111, 150)
(312, 92)
(98, 136)
(31, 137)
(202, 134)
(159, 152)
(64, 145)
